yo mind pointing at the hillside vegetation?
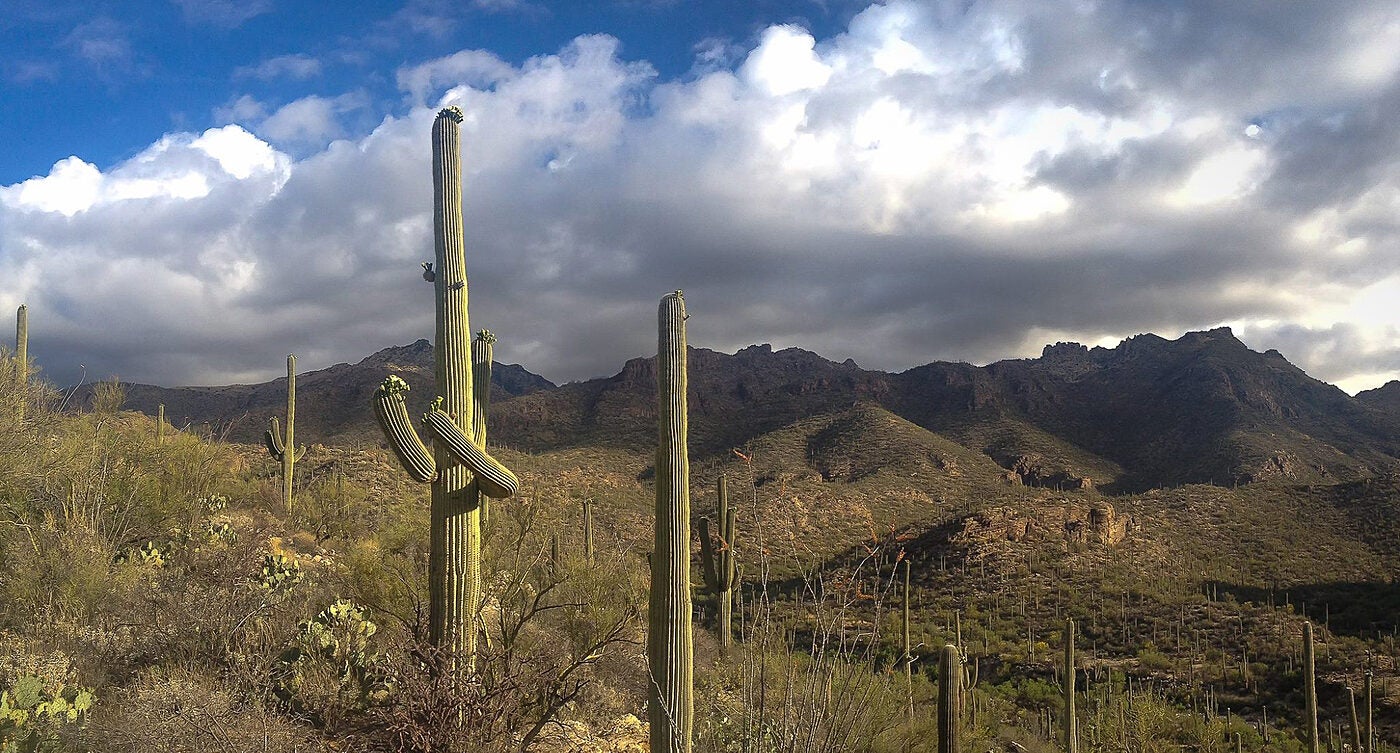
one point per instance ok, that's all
(157, 595)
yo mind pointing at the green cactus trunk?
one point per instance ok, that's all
(457, 466)
(1312, 741)
(1355, 722)
(1370, 730)
(950, 683)
(454, 560)
(22, 357)
(669, 640)
(160, 424)
(1071, 723)
(282, 448)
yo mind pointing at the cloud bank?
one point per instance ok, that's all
(933, 183)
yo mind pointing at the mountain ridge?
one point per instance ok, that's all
(1203, 408)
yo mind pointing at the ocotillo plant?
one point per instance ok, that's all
(284, 450)
(950, 682)
(22, 356)
(1071, 726)
(457, 467)
(670, 700)
(719, 566)
(1313, 742)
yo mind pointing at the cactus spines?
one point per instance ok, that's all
(285, 450)
(1071, 726)
(22, 356)
(669, 640)
(1313, 742)
(457, 465)
(719, 566)
(950, 682)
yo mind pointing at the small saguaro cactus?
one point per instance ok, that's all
(588, 531)
(457, 466)
(670, 643)
(1313, 742)
(1071, 724)
(719, 566)
(284, 450)
(160, 423)
(950, 684)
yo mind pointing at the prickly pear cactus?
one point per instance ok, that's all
(457, 464)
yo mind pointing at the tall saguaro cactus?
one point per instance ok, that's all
(1071, 724)
(907, 658)
(669, 641)
(457, 466)
(1313, 742)
(282, 449)
(719, 566)
(22, 356)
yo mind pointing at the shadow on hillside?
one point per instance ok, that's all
(1360, 610)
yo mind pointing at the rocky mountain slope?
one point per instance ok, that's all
(1150, 412)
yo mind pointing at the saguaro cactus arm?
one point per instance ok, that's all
(392, 412)
(273, 439)
(495, 480)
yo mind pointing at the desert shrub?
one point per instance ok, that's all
(190, 710)
(53, 567)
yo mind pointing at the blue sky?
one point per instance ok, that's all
(191, 189)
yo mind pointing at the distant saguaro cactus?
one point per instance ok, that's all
(719, 566)
(458, 466)
(1071, 724)
(907, 658)
(160, 423)
(669, 640)
(283, 449)
(588, 531)
(22, 356)
(950, 685)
